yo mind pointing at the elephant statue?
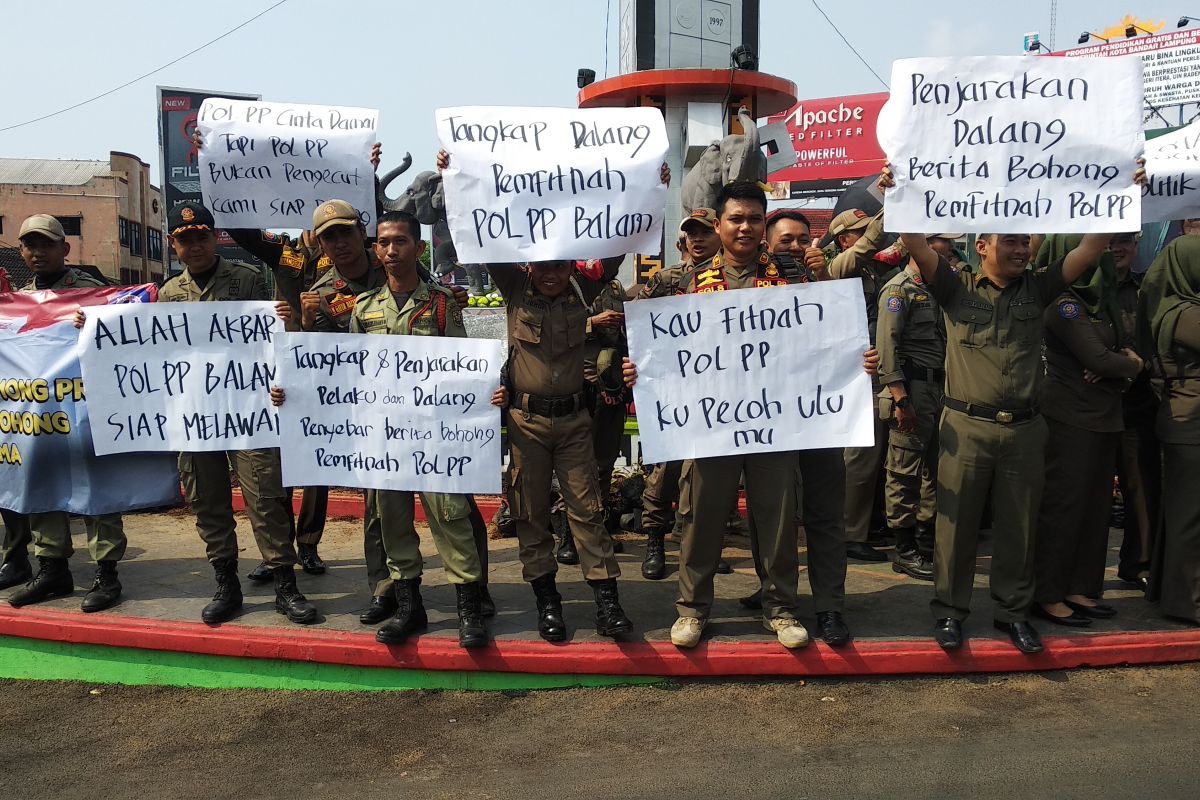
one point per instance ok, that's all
(425, 199)
(736, 157)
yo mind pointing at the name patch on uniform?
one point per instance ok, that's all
(372, 315)
(1068, 310)
(292, 260)
(324, 263)
(341, 304)
(894, 304)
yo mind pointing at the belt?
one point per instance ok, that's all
(915, 373)
(991, 414)
(549, 406)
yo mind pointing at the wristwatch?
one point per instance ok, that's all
(903, 403)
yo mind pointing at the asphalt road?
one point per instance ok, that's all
(1084, 734)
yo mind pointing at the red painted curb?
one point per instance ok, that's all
(659, 659)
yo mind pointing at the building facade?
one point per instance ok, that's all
(111, 212)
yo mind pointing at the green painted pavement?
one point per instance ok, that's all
(36, 659)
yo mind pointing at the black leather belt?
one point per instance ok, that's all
(549, 406)
(1000, 415)
(914, 373)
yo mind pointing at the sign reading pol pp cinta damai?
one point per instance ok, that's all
(535, 184)
(409, 413)
(1013, 144)
(270, 165)
(192, 377)
(751, 371)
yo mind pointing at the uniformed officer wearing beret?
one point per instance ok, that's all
(44, 247)
(992, 436)
(209, 278)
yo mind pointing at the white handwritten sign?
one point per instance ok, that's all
(1013, 144)
(270, 165)
(193, 377)
(536, 184)
(390, 412)
(1172, 189)
(751, 371)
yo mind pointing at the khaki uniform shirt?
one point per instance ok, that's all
(429, 311)
(229, 281)
(859, 262)
(715, 275)
(546, 336)
(338, 296)
(1179, 414)
(71, 279)
(1075, 342)
(994, 335)
(606, 346)
(910, 328)
(663, 283)
(296, 264)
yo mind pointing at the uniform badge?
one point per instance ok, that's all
(917, 279)
(772, 272)
(324, 263)
(456, 316)
(235, 285)
(267, 236)
(187, 215)
(921, 298)
(370, 315)
(339, 284)
(341, 304)
(291, 260)
(1068, 310)
(330, 211)
(69, 280)
(894, 303)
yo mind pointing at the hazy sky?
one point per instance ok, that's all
(407, 58)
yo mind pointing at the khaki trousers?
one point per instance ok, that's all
(910, 483)
(449, 522)
(51, 533)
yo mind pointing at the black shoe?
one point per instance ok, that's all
(723, 567)
(948, 633)
(289, 601)
(410, 614)
(861, 551)
(1098, 611)
(566, 553)
(15, 571)
(925, 539)
(654, 566)
(486, 603)
(880, 537)
(310, 560)
(53, 579)
(1135, 581)
(753, 601)
(1075, 620)
(106, 589)
(380, 609)
(471, 632)
(610, 618)
(228, 598)
(551, 626)
(1022, 635)
(913, 564)
(832, 628)
(260, 574)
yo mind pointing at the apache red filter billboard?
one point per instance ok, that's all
(834, 139)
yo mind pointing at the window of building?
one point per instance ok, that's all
(72, 226)
(123, 231)
(154, 244)
(135, 238)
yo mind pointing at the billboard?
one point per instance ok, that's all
(835, 143)
(1170, 61)
(177, 110)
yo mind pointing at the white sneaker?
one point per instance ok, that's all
(791, 634)
(686, 632)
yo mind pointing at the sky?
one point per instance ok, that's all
(408, 57)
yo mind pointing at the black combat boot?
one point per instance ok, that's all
(566, 553)
(909, 560)
(654, 566)
(16, 569)
(925, 539)
(610, 618)
(310, 559)
(260, 574)
(410, 613)
(227, 600)
(289, 601)
(471, 632)
(53, 579)
(486, 604)
(551, 626)
(106, 589)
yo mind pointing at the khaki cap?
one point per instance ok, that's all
(333, 212)
(953, 237)
(704, 216)
(850, 220)
(45, 225)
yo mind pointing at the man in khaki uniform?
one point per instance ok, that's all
(992, 436)
(210, 278)
(858, 238)
(606, 346)
(44, 247)
(912, 350)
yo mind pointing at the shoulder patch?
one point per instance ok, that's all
(267, 236)
(895, 303)
(1068, 309)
